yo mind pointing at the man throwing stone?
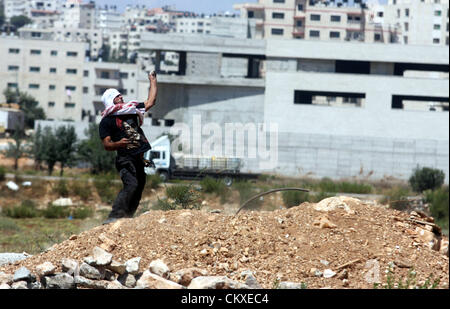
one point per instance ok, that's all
(120, 130)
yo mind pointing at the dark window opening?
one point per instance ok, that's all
(420, 103)
(400, 68)
(329, 98)
(352, 67)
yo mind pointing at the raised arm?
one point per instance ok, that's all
(153, 91)
(109, 145)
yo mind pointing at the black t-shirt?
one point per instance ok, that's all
(125, 126)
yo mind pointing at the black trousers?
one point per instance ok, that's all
(132, 173)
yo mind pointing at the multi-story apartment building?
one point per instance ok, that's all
(52, 72)
(77, 14)
(420, 22)
(315, 20)
(43, 12)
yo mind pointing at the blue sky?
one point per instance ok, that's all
(198, 6)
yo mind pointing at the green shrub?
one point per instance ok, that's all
(327, 185)
(27, 209)
(294, 198)
(439, 204)
(426, 179)
(396, 197)
(183, 196)
(2, 173)
(153, 181)
(82, 212)
(215, 186)
(61, 188)
(55, 212)
(354, 187)
(7, 224)
(82, 189)
(107, 189)
(316, 198)
(165, 205)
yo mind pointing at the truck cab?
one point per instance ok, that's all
(160, 154)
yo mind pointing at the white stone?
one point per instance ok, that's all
(159, 268)
(132, 265)
(12, 185)
(152, 281)
(101, 257)
(45, 269)
(328, 273)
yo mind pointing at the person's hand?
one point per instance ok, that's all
(152, 76)
(123, 143)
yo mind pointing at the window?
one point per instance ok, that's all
(71, 88)
(314, 33)
(35, 52)
(324, 98)
(406, 26)
(251, 14)
(85, 73)
(437, 27)
(72, 54)
(123, 75)
(51, 87)
(85, 89)
(315, 17)
(299, 23)
(407, 12)
(53, 53)
(278, 1)
(335, 35)
(12, 85)
(35, 69)
(276, 31)
(51, 104)
(380, 14)
(52, 70)
(300, 7)
(36, 34)
(437, 13)
(69, 105)
(436, 41)
(71, 71)
(104, 75)
(13, 68)
(278, 15)
(14, 50)
(33, 86)
(335, 18)
(377, 37)
(405, 39)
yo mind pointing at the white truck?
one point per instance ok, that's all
(180, 166)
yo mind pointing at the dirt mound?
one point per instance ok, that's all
(355, 248)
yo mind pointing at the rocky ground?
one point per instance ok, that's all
(338, 243)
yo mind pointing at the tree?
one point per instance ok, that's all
(91, 150)
(28, 105)
(48, 149)
(20, 21)
(36, 148)
(426, 178)
(66, 146)
(17, 149)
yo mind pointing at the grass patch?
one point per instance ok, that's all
(246, 191)
(82, 189)
(106, 187)
(153, 181)
(215, 186)
(55, 212)
(27, 209)
(61, 188)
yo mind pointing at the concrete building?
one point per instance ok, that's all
(422, 22)
(50, 72)
(316, 20)
(340, 115)
(42, 12)
(109, 19)
(77, 14)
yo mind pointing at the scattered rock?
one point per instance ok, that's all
(6, 278)
(4, 286)
(339, 202)
(101, 257)
(127, 280)
(117, 267)
(132, 265)
(286, 285)
(159, 268)
(22, 274)
(115, 285)
(186, 275)
(91, 272)
(45, 269)
(59, 281)
(63, 202)
(328, 273)
(152, 281)
(91, 284)
(215, 282)
(12, 186)
(70, 266)
(19, 285)
(250, 279)
(7, 258)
